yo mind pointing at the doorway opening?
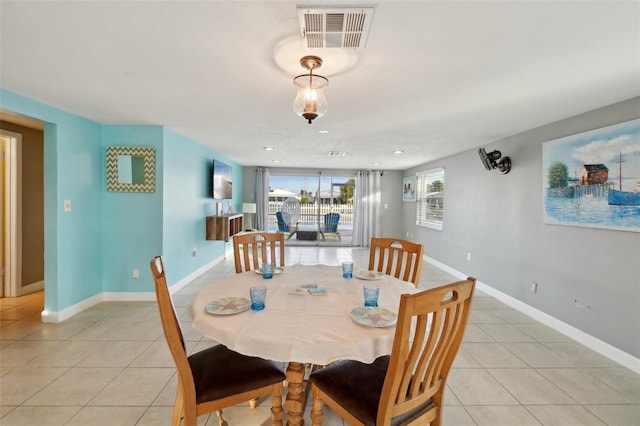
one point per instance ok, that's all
(318, 195)
(21, 207)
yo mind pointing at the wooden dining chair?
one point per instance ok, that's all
(216, 377)
(399, 258)
(406, 387)
(252, 249)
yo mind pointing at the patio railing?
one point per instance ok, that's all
(312, 214)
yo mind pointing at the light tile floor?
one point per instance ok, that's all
(109, 365)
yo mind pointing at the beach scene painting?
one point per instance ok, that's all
(592, 179)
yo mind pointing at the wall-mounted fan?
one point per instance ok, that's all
(495, 160)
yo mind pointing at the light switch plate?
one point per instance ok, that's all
(67, 206)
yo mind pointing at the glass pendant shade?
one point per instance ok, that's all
(310, 102)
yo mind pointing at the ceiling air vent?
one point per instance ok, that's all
(337, 153)
(337, 27)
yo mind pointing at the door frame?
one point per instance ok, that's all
(12, 212)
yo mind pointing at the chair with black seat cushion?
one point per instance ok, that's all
(399, 258)
(406, 387)
(253, 249)
(217, 377)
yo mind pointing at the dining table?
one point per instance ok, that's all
(312, 315)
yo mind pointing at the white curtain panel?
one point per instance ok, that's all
(262, 198)
(366, 222)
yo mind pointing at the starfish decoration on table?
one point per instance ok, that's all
(229, 305)
(375, 318)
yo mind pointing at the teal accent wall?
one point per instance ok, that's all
(72, 165)
(95, 248)
(187, 201)
(132, 221)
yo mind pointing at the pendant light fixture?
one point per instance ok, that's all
(310, 102)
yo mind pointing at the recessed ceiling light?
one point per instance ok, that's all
(398, 151)
(376, 163)
(269, 148)
(323, 132)
(276, 161)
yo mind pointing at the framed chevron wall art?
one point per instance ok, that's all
(131, 169)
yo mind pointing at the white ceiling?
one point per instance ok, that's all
(436, 77)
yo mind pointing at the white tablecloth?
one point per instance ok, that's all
(301, 328)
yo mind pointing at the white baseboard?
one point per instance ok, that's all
(66, 313)
(31, 288)
(603, 348)
(186, 280)
(123, 296)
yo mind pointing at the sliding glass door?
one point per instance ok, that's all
(320, 204)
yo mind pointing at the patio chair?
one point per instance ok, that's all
(289, 216)
(284, 224)
(406, 387)
(330, 226)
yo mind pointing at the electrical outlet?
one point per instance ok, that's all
(136, 273)
(469, 256)
(533, 287)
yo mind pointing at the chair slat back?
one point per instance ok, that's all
(253, 249)
(398, 258)
(331, 222)
(428, 335)
(171, 326)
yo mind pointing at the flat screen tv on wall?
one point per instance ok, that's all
(222, 181)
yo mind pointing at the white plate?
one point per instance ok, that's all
(373, 317)
(277, 270)
(369, 275)
(228, 306)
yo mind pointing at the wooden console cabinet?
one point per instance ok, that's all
(223, 227)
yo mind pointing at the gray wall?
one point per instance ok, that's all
(498, 218)
(391, 225)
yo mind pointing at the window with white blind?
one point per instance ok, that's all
(430, 198)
